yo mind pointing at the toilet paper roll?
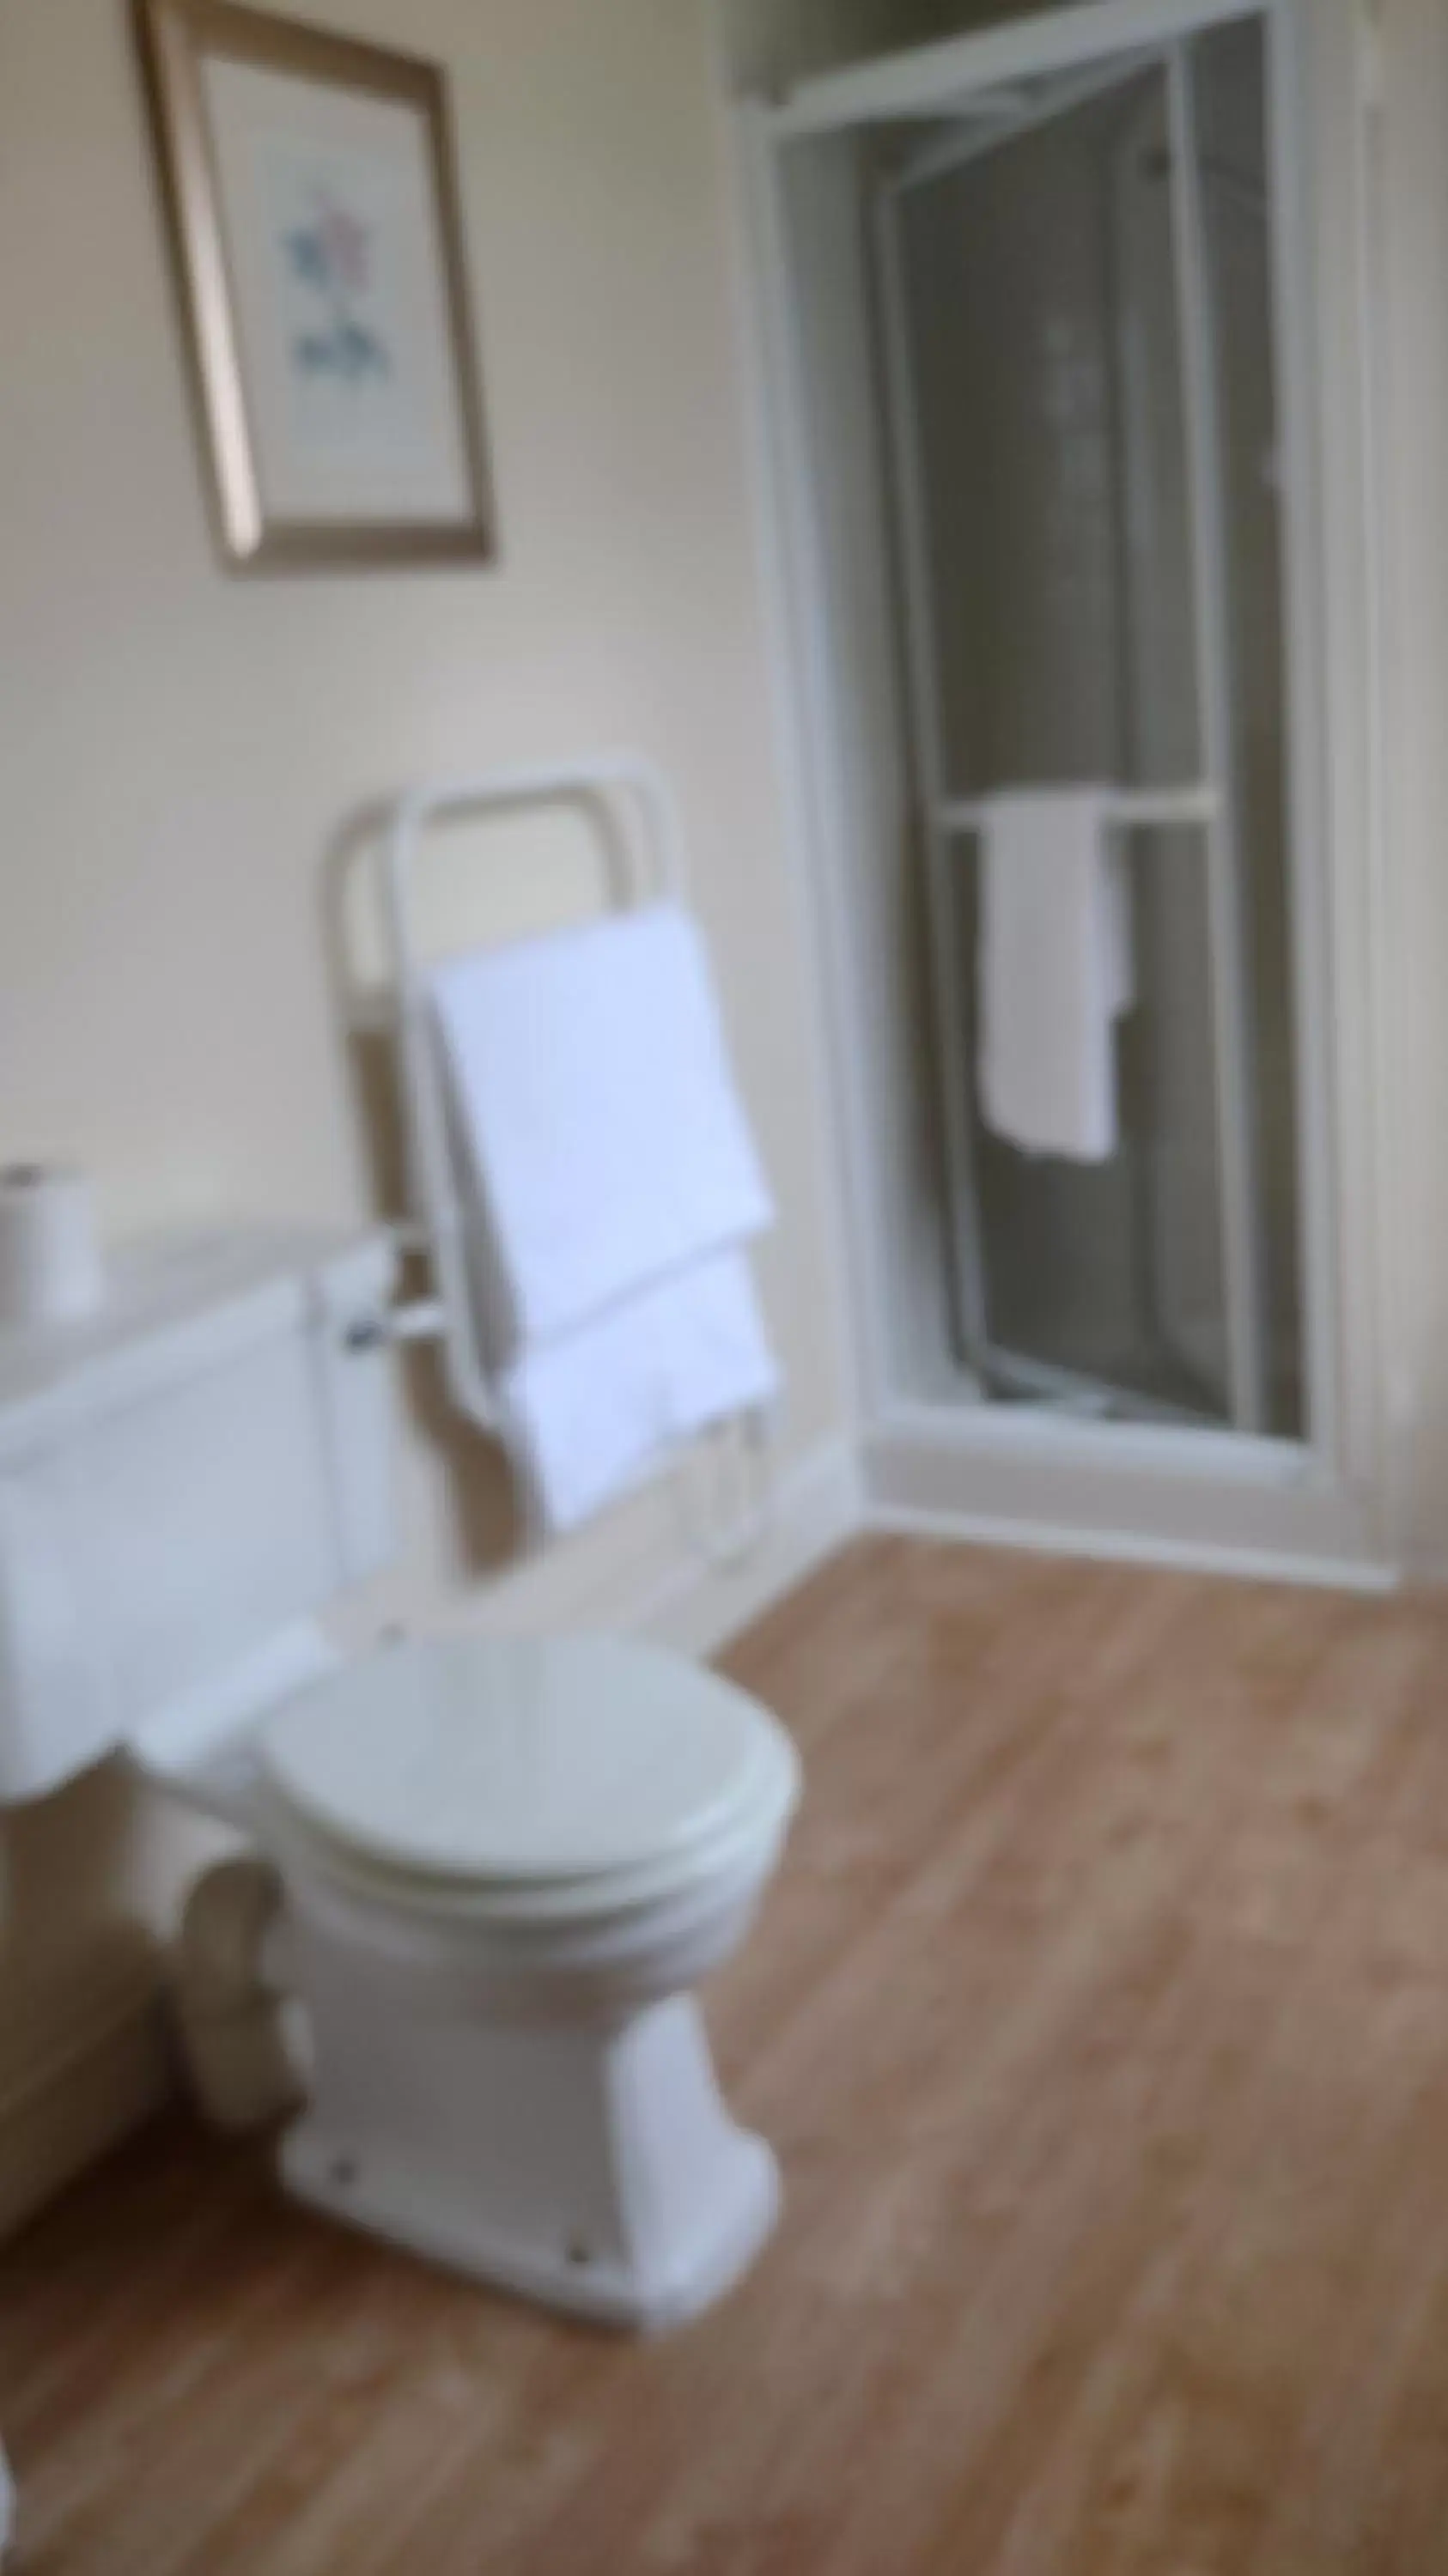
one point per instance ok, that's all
(50, 1261)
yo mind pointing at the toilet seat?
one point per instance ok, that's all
(522, 1905)
(527, 1781)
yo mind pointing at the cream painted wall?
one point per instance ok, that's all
(179, 749)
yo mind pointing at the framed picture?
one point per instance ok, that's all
(314, 212)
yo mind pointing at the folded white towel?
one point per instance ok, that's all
(609, 1178)
(593, 1412)
(596, 1117)
(1055, 971)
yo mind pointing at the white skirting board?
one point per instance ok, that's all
(97, 2079)
(1213, 1504)
(818, 1509)
(640, 1573)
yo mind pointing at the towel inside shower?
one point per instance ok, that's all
(1056, 970)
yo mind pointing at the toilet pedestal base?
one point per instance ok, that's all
(596, 2169)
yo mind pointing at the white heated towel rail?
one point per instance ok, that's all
(640, 834)
(634, 812)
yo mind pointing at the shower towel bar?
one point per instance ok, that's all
(1131, 809)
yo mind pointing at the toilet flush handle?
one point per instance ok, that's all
(420, 1321)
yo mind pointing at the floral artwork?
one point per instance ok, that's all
(332, 256)
(319, 235)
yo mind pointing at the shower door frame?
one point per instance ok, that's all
(1205, 805)
(1315, 1506)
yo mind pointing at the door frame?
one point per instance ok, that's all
(914, 82)
(1028, 113)
(1325, 1504)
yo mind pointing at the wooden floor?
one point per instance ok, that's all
(1101, 2019)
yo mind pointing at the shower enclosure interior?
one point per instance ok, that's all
(1029, 324)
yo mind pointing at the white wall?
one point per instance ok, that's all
(180, 748)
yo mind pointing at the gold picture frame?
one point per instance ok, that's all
(312, 199)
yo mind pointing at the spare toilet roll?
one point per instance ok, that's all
(50, 1261)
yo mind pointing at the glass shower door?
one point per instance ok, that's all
(1078, 353)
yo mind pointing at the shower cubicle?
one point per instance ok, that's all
(1046, 415)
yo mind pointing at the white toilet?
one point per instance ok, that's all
(506, 1862)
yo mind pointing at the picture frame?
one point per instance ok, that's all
(312, 200)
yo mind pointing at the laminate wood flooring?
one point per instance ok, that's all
(1100, 2017)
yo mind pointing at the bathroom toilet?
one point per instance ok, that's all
(505, 1862)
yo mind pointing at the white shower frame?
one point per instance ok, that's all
(1319, 1508)
(1208, 808)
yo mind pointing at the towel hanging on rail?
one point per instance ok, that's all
(597, 1116)
(591, 1413)
(609, 1181)
(1055, 970)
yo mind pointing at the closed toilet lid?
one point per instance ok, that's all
(522, 1759)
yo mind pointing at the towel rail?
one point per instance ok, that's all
(623, 791)
(642, 838)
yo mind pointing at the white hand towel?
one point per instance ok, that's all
(596, 1117)
(609, 1177)
(1055, 971)
(594, 1411)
